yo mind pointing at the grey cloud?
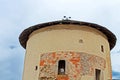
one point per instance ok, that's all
(116, 74)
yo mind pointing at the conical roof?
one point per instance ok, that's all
(25, 34)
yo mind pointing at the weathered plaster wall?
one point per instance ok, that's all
(64, 38)
(78, 64)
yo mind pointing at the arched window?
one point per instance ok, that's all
(61, 67)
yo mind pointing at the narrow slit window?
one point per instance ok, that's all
(102, 48)
(97, 74)
(36, 67)
(61, 67)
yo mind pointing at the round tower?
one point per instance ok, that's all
(67, 50)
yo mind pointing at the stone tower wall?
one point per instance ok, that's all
(64, 40)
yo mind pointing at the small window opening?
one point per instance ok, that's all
(102, 48)
(61, 67)
(36, 67)
(97, 74)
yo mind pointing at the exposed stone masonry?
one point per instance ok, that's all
(78, 64)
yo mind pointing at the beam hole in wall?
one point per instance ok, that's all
(80, 41)
(61, 67)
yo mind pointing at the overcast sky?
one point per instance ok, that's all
(16, 15)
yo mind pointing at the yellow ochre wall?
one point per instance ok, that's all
(61, 37)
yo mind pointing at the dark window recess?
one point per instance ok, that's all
(61, 67)
(102, 48)
(36, 67)
(97, 74)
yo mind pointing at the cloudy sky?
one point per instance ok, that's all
(16, 15)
